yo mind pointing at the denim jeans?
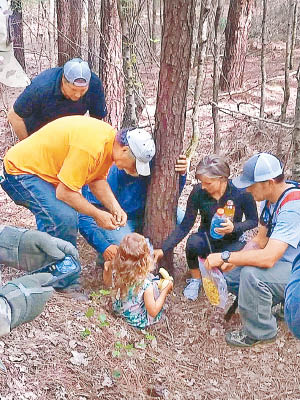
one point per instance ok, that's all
(52, 215)
(292, 299)
(258, 290)
(101, 238)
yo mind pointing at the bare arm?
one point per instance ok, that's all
(104, 194)
(262, 258)
(18, 124)
(154, 306)
(80, 204)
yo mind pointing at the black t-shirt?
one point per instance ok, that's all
(200, 201)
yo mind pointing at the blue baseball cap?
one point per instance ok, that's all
(77, 72)
(258, 168)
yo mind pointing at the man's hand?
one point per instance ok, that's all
(227, 267)
(120, 216)
(105, 220)
(110, 252)
(157, 255)
(38, 249)
(181, 165)
(213, 260)
(228, 227)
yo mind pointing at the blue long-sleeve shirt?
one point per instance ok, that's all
(131, 194)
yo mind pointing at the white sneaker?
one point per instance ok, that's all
(192, 288)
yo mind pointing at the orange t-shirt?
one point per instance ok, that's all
(74, 150)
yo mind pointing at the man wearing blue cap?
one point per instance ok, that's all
(57, 92)
(259, 273)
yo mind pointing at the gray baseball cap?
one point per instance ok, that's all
(142, 146)
(77, 72)
(259, 168)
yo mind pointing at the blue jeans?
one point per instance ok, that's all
(101, 238)
(52, 215)
(292, 300)
(258, 290)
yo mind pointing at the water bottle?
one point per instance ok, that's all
(216, 222)
(229, 209)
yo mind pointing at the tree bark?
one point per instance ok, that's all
(17, 26)
(111, 63)
(294, 32)
(94, 7)
(216, 78)
(236, 34)
(262, 61)
(170, 117)
(286, 89)
(296, 136)
(69, 15)
(156, 26)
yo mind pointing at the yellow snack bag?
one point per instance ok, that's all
(214, 285)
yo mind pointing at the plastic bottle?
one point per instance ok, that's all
(229, 209)
(216, 222)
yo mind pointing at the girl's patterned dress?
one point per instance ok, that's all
(133, 308)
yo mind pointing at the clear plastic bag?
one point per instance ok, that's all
(214, 285)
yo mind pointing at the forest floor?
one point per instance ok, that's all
(80, 350)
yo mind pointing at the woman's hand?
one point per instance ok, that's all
(227, 227)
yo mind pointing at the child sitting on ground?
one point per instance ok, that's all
(136, 295)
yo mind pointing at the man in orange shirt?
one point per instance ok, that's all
(46, 171)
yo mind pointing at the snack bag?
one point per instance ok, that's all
(214, 285)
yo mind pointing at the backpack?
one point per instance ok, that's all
(266, 218)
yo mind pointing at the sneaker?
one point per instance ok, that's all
(240, 339)
(192, 288)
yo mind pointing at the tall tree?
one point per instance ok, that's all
(111, 62)
(216, 78)
(17, 26)
(296, 136)
(288, 45)
(236, 34)
(94, 8)
(156, 26)
(69, 14)
(170, 118)
(262, 60)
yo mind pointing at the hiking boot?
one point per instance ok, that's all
(240, 339)
(192, 288)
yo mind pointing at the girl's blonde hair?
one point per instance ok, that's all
(131, 264)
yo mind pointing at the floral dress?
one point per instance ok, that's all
(133, 308)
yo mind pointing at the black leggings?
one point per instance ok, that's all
(198, 246)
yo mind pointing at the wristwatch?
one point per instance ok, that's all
(225, 255)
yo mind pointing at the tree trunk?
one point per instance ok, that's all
(262, 61)
(69, 15)
(286, 89)
(216, 78)
(296, 136)
(130, 113)
(294, 32)
(111, 63)
(156, 27)
(170, 117)
(201, 45)
(94, 8)
(236, 34)
(17, 26)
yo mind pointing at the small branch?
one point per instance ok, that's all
(268, 121)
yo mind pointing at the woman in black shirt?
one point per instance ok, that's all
(212, 192)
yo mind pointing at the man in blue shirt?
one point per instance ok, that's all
(131, 194)
(57, 92)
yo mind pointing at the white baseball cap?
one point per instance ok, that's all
(142, 146)
(259, 168)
